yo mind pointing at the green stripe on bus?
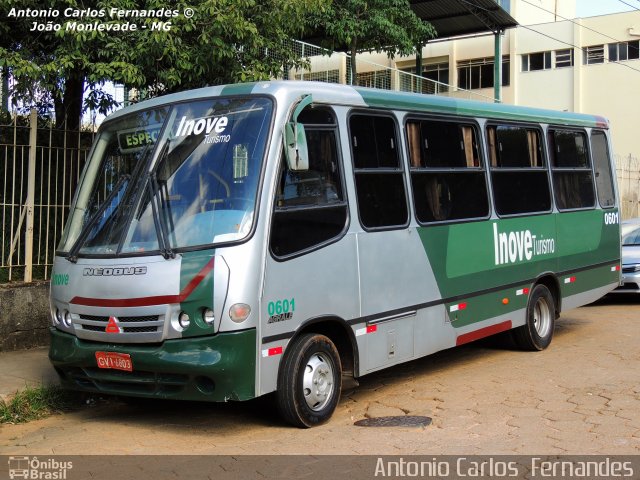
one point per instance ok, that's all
(240, 89)
(201, 296)
(471, 257)
(470, 108)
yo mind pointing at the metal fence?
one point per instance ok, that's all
(628, 173)
(39, 170)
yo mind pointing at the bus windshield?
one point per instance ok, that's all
(171, 178)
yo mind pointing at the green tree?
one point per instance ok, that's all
(381, 25)
(224, 41)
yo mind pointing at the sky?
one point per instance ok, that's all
(590, 8)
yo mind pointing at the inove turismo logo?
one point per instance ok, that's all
(198, 125)
(519, 246)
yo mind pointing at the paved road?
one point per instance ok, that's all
(580, 396)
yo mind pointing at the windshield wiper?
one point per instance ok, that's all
(75, 249)
(158, 218)
(73, 253)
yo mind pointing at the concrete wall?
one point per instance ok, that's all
(24, 315)
(542, 11)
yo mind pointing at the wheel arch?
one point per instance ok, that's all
(550, 280)
(342, 336)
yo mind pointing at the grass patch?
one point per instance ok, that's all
(34, 403)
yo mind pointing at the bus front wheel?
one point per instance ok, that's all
(537, 332)
(309, 381)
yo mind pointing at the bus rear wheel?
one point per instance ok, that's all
(537, 332)
(309, 381)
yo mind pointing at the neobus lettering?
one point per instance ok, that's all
(196, 127)
(114, 272)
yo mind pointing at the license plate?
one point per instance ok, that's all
(114, 361)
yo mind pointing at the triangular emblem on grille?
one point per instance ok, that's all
(112, 326)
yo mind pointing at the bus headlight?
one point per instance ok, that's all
(57, 317)
(67, 318)
(239, 312)
(208, 316)
(183, 320)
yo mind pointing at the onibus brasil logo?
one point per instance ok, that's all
(518, 246)
(33, 468)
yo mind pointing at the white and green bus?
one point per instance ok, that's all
(233, 241)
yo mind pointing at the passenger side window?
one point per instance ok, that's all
(310, 205)
(602, 164)
(518, 173)
(446, 175)
(379, 178)
(572, 174)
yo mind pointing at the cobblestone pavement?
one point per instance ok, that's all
(580, 396)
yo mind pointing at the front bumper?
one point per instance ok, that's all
(213, 368)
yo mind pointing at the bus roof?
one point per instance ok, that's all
(336, 94)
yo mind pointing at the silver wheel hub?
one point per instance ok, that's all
(542, 317)
(317, 383)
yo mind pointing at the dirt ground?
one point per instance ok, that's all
(580, 396)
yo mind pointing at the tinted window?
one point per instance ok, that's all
(379, 177)
(572, 175)
(310, 205)
(447, 181)
(602, 165)
(518, 173)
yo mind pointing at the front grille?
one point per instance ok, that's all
(629, 269)
(145, 324)
(100, 328)
(140, 329)
(105, 320)
(93, 328)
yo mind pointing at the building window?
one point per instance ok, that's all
(594, 54)
(437, 72)
(542, 60)
(564, 58)
(478, 73)
(624, 51)
(536, 61)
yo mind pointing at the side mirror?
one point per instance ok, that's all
(295, 147)
(295, 139)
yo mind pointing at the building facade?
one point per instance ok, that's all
(551, 60)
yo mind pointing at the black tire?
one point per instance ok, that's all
(537, 332)
(309, 358)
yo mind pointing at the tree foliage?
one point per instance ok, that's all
(224, 41)
(381, 25)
